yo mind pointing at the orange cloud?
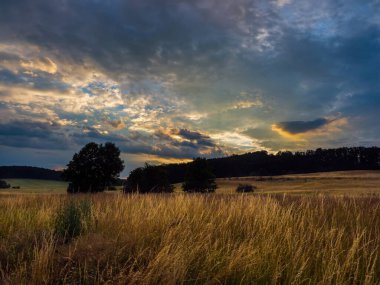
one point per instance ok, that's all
(333, 125)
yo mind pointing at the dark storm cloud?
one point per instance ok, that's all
(5, 56)
(163, 144)
(196, 138)
(41, 135)
(118, 35)
(297, 127)
(26, 134)
(158, 143)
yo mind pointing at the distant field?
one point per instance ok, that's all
(336, 183)
(35, 186)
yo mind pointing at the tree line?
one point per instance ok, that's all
(29, 172)
(97, 166)
(262, 163)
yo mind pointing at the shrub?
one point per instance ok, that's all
(245, 188)
(4, 184)
(72, 219)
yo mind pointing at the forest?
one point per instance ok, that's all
(262, 163)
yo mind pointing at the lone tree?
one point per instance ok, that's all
(94, 168)
(148, 179)
(199, 177)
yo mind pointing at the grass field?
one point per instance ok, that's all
(266, 238)
(35, 186)
(336, 183)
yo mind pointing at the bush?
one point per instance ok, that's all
(245, 188)
(72, 219)
(4, 184)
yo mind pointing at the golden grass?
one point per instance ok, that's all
(193, 239)
(355, 183)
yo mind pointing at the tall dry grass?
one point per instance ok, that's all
(191, 239)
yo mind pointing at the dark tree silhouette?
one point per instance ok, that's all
(94, 168)
(29, 172)
(148, 179)
(262, 163)
(4, 184)
(199, 177)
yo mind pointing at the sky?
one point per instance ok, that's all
(170, 80)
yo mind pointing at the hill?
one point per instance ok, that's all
(29, 172)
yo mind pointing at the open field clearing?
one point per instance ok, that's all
(336, 183)
(38, 186)
(35, 186)
(189, 239)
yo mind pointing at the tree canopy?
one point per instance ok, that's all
(148, 179)
(199, 177)
(94, 168)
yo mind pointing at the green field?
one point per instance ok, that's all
(39, 186)
(35, 186)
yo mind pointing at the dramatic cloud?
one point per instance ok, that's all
(170, 80)
(296, 127)
(36, 135)
(305, 130)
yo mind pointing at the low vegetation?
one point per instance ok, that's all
(189, 239)
(4, 185)
(72, 218)
(245, 188)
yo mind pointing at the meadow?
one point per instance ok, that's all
(269, 237)
(35, 186)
